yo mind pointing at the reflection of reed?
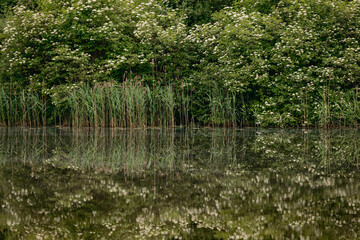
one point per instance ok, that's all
(103, 149)
(338, 148)
(201, 181)
(136, 151)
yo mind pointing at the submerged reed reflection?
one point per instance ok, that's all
(179, 183)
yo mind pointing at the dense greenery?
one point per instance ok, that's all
(253, 62)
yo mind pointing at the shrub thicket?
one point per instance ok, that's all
(255, 62)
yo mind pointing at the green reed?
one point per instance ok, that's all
(223, 108)
(135, 105)
(129, 104)
(25, 108)
(116, 105)
(120, 105)
(4, 106)
(183, 106)
(347, 109)
(339, 109)
(167, 99)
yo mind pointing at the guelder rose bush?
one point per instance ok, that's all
(284, 63)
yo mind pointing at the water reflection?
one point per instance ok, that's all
(177, 183)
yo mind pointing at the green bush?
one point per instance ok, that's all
(271, 63)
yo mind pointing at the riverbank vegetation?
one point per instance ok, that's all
(136, 63)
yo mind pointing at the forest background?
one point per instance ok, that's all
(136, 63)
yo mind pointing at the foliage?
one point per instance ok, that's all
(281, 61)
(198, 12)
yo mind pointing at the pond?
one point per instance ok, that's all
(62, 183)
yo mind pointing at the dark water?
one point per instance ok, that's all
(179, 184)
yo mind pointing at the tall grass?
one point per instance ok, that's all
(129, 104)
(121, 105)
(184, 107)
(24, 108)
(339, 109)
(134, 105)
(223, 108)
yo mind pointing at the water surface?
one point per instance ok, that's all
(179, 184)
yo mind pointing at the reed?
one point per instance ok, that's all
(24, 108)
(223, 108)
(183, 106)
(134, 105)
(346, 108)
(4, 107)
(129, 104)
(150, 99)
(339, 109)
(140, 105)
(116, 105)
(168, 102)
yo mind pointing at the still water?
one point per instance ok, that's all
(179, 184)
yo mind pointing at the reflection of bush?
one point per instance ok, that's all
(239, 203)
(220, 184)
